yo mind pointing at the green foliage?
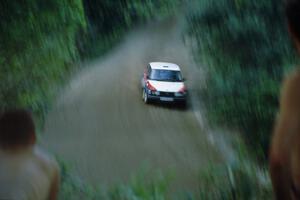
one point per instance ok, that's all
(141, 187)
(239, 180)
(109, 20)
(242, 181)
(246, 47)
(107, 16)
(72, 187)
(37, 41)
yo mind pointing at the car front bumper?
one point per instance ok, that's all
(166, 97)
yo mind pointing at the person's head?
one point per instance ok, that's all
(292, 10)
(17, 129)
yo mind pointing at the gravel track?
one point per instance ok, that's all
(101, 125)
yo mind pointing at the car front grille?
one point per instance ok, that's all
(167, 94)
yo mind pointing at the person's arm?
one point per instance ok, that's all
(285, 133)
(53, 193)
(277, 163)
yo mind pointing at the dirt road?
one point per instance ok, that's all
(101, 125)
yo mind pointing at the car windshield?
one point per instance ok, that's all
(165, 75)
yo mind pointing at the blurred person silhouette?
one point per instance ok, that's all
(26, 172)
(285, 146)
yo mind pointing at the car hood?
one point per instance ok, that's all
(164, 86)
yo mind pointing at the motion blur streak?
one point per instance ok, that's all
(101, 125)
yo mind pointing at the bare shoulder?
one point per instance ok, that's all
(293, 78)
(290, 94)
(46, 161)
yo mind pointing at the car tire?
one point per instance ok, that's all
(145, 97)
(184, 104)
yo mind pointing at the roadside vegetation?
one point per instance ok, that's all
(138, 188)
(37, 50)
(245, 49)
(242, 179)
(109, 20)
(243, 46)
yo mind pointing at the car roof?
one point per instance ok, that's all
(164, 66)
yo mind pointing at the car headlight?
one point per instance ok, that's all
(154, 92)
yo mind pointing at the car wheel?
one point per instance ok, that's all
(184, 104)
(145, 97)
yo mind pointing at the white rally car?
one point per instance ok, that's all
(163, 82)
